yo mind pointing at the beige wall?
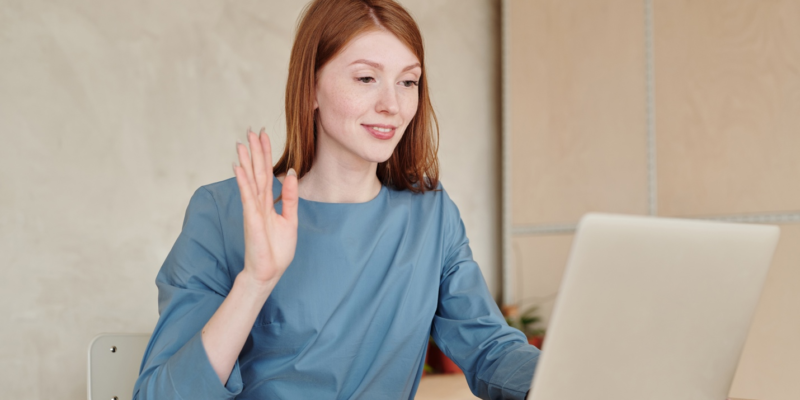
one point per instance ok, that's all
(725, 102)
(112, 113)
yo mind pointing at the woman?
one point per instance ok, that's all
(324, 276)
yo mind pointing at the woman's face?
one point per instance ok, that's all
(366, 97)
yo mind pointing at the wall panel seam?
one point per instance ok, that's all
(506, 268)
(567, 228)
(550, 229)
(652, 182)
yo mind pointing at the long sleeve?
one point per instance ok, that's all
(192, 283)
(496, 359)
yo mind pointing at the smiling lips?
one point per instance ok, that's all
(382, 132)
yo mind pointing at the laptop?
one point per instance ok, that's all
(653, 308)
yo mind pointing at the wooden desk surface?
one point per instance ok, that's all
(444, 387)
(452, 387)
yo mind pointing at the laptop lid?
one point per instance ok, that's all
(653, 308)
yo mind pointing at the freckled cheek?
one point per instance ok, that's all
(409, 107)
(344, 107)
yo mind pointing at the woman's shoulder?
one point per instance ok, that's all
(223, 196)
(415, 193)
(431, 199)
(222, 188)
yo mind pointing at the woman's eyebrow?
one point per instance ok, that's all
(379, 66)
(412, 66)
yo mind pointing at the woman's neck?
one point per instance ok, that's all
(330, 181)
(330, 186)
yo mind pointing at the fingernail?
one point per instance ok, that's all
(291, 172)
(249, 130)
(233, 165)
(261, 131)
(238, 142)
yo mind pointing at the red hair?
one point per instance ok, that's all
(324, 29)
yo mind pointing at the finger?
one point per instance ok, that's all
(246, 163)
(266, 146)
(258, 165)
(248, 202)
(289, 197)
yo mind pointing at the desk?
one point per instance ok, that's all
(452, 387)
(444, 387)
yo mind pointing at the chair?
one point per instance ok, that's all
(114, 360)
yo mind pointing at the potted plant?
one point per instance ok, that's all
(439, 362)
(528, 322)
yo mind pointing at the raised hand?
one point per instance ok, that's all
(270, 238)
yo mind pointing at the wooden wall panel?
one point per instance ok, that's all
(727, 75)
(577, 91)
(541, 261)
(727, 109)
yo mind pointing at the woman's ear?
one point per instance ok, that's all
(316, 90)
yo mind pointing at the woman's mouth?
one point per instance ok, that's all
(382, 132)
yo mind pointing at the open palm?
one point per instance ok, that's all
(270, 238)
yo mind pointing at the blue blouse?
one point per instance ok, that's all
(352, 314)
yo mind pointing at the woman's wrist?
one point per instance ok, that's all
(254, 288)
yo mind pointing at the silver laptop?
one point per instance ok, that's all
(653, 308)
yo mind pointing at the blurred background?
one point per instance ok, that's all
(112, 113)
(672, 108)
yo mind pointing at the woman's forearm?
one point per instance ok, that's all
(226, 332)
(270, 240)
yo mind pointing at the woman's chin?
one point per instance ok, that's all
(379, 156)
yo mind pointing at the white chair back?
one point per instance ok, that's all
(114, 360)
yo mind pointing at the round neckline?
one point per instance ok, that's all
(302, 200)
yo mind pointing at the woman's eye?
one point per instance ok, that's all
(366, 79)
(409, 84)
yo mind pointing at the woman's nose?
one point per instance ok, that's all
(387, 101)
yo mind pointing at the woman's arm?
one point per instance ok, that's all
(206, 314)
(226, 332)
(496, 359)
(270, 241)
(192, 284)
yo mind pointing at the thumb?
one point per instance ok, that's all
(290, 197)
